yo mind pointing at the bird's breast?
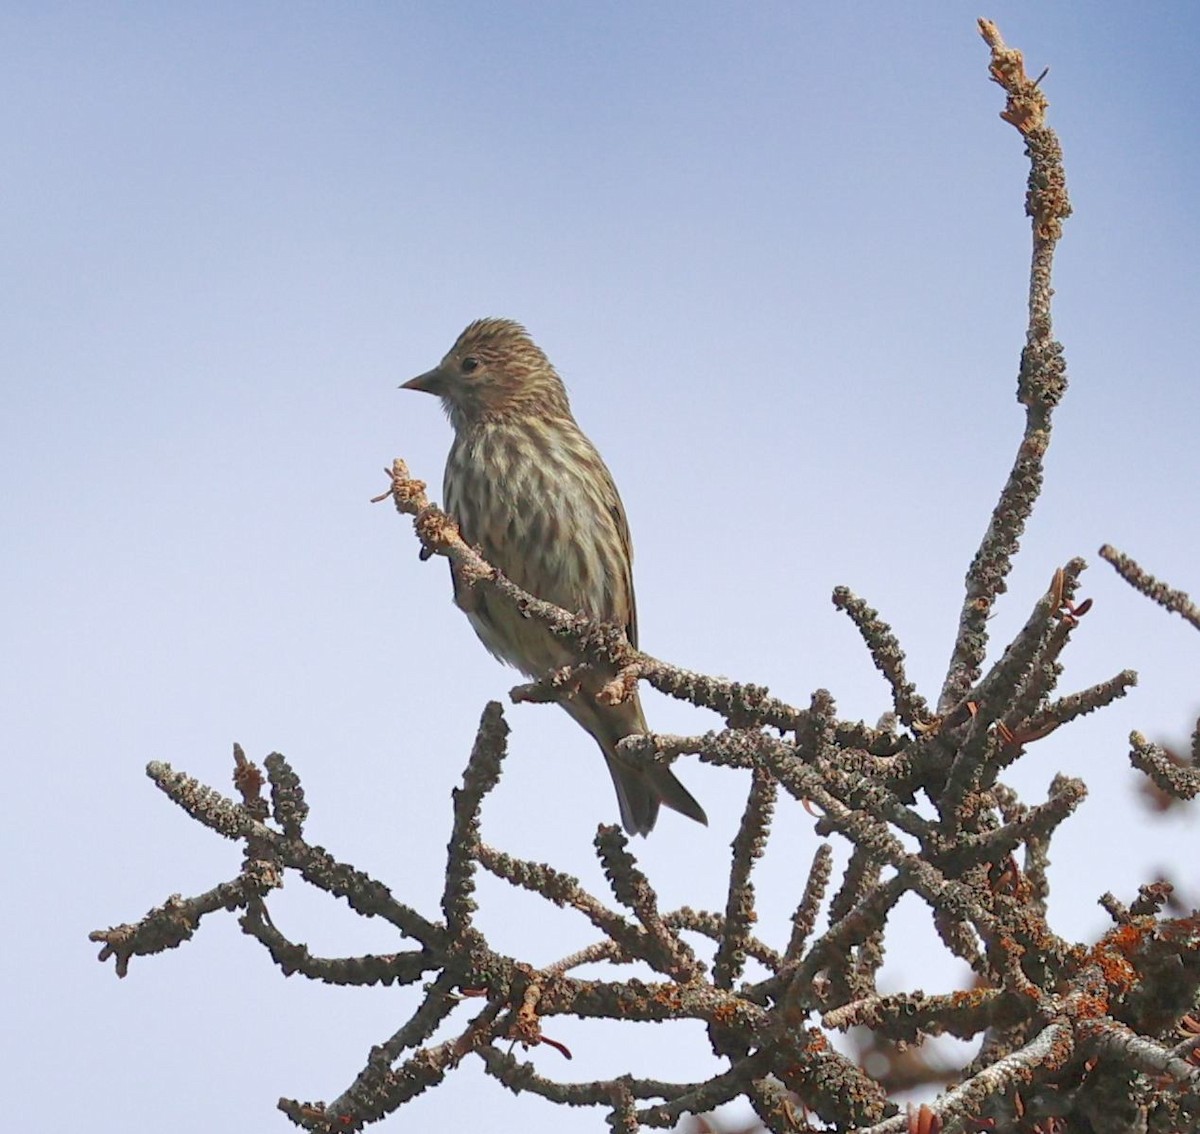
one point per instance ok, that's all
(534, 500)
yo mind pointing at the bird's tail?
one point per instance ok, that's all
(642, 787)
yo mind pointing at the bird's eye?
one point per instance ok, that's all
(470, 364)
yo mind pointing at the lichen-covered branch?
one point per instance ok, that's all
(1041, 381)
(1169, 599)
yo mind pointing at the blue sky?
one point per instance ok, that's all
(779, 255)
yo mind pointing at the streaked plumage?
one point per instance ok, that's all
(530, 490)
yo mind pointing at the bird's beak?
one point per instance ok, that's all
(431, 382)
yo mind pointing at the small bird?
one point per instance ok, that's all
(531, 492)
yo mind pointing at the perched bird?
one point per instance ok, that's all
(531, 492)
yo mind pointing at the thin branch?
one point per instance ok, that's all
(666, 950)
(1042, 380)
(482, 774)
(805, 918)
(1174, 778)
(1177, 602)
(887, 655)
(748, 847)
(1050, 1047)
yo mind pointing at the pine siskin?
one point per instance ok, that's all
(530, 490)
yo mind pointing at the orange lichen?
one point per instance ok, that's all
(725, 1013)
(668, 996)
(247, 777)
(1092, 1006)
(1111, 956)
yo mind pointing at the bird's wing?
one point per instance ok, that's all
(618, 515)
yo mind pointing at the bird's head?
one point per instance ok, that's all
(494, 371)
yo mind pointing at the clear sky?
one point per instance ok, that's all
(778, 253)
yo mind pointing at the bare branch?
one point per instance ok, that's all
(1175, 601)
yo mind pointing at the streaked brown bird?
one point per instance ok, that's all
(531, 492)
